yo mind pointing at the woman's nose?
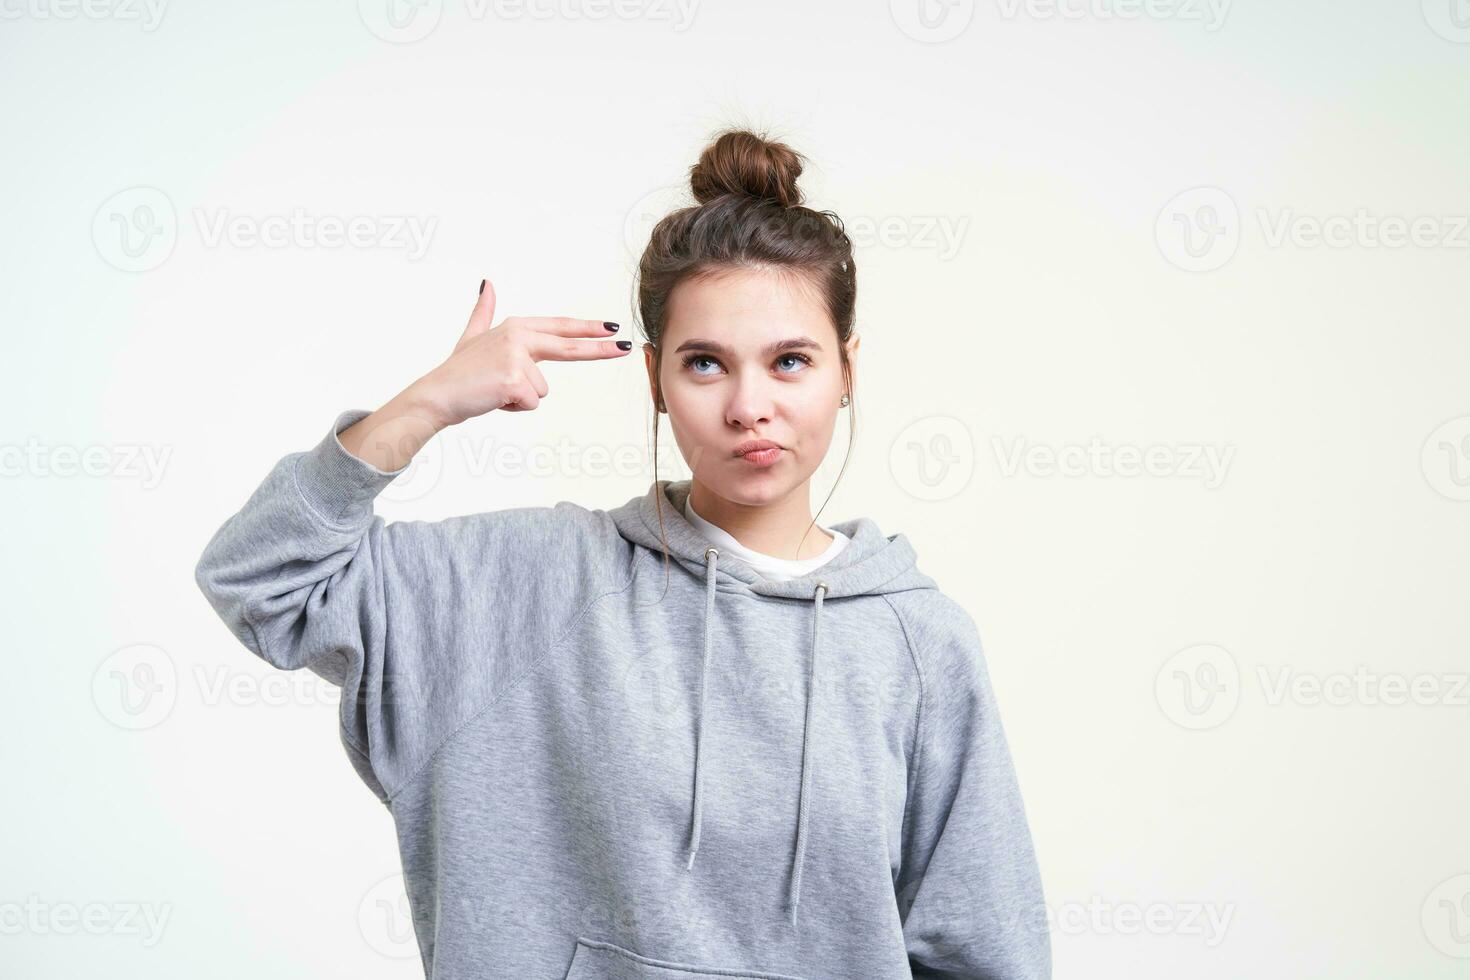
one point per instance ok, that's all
(750, 405)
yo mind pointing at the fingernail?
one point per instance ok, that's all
(482, 287)
(610, 325)
(625, 345)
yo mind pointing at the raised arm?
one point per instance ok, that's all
(410, 619)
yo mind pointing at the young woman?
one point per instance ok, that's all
(685, 737)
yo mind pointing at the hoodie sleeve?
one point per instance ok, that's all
(969, 889)
(421, 624)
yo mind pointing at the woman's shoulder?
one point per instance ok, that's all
(941, 631)
(565, 539)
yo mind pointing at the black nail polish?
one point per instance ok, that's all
(625, 345)
(482, 287)
(610, 325)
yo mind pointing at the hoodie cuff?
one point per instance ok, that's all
(337, 485)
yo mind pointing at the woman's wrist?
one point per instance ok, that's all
(422, 401)
(390, 437)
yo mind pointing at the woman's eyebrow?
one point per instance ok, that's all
(791, 343)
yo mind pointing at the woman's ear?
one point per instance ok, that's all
(648, 362)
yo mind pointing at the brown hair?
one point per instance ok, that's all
(749, 216)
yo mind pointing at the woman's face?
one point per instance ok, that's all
(750, 355)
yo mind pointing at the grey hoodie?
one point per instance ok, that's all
(603, 767)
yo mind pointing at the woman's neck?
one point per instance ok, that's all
(774, 528)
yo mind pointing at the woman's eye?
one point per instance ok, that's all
(787, 363)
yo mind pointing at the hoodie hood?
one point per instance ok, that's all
(871, 564)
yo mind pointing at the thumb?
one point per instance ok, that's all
(482, 316)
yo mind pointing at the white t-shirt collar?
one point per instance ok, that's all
(778, 569)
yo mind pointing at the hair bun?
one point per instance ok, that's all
(741, 162)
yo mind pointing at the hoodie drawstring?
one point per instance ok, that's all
(799, 856)
(806, 728)
(709, 625)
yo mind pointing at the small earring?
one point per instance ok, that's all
(846, 399)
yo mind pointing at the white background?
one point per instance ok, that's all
(1079, 215)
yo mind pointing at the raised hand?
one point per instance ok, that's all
(490, 368)
(494, 367)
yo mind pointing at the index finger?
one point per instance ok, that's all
(546, 347)
(566, 326)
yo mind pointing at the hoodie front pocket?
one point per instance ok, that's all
(598, 960)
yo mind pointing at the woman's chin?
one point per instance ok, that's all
(753, 486)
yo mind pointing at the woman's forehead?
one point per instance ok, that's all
(746, 310)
